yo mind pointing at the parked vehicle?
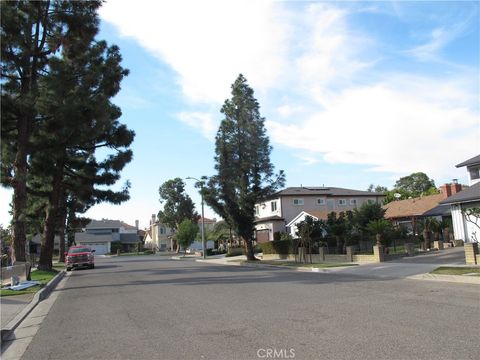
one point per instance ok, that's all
(79, 256)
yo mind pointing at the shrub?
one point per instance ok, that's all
(148, 252)
(234, 251)
(283, 247)
(116, 246)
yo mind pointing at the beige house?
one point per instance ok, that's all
(159, 236)
(274, 213)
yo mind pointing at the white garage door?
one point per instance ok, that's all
(100, 248)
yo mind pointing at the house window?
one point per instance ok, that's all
(320, 202)
(353, 202)
(257, 210)
(342, 202)
(371, 201)
(162, 230)
(273, 205)
(297, 201)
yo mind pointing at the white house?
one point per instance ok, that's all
(466, 226)
(100, 234)
(292, 228)
(274, 213)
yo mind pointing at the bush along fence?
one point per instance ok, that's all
(285, 250)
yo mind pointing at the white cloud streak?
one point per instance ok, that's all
(395, 122)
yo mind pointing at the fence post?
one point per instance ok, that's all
(438, 245)
(471, 253)
(409, 249)
(321, 253)
(378, 253)
(350, 251)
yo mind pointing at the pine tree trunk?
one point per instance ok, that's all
(19, 237)
(51, 220)
(61, 229)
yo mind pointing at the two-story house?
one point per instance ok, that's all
(100, 234)
(465, 204)
(274, 213)
(159, 236)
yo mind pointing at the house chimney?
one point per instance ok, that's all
(153, 219)
(450, 189)
(137, 224)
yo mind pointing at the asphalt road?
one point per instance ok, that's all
(154, 308)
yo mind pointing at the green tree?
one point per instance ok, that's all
(377, 189)
(242, 161)
(416, 184)
(308, 230)
(78, 120)
(366, 213)
(379, 228)
(337, 226)
(177, 205)
(31, 34)
(186, 232)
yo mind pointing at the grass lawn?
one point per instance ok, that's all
(294, 264)
(43, 276)
(137, 254)
(453, 270)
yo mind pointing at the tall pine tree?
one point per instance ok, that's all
(31, 34)
(242, 160)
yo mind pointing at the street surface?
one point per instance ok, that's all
(152, 307)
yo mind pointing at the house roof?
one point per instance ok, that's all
(473, 161)
(319, 215)
(108, 224)
(267, 219)
(469, 194)
(412, 207)
(93, 238)
(330, 191)
(439, 210)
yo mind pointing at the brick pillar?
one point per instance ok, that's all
(438, 245)
(321, 253)
(378, 253)
(471, 254)
(350, 252)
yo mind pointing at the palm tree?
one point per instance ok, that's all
(378, 228)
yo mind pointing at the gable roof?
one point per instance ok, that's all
(319, 215)
(325, 191)
(93, 238)
(412, 207)
(473, 161)
(108, 224)
(469, 194)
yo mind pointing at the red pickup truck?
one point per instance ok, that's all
(79, 256)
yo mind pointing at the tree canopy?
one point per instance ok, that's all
(177, 204)
(245, 173)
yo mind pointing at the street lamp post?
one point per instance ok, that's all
(203, 217)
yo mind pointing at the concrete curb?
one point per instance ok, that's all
(260, 265)
(448, 278)
(39, 296)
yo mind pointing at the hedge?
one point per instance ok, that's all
(283, 247)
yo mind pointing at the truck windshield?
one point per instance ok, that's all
(79, 250)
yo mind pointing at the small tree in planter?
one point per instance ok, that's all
(378, 228)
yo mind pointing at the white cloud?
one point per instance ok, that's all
(390, 130)
(328, 95)
(201, 121)
(208, 43)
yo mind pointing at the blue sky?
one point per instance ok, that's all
(353, 93)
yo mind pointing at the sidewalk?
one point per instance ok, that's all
(15, 308)
(11, 306)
